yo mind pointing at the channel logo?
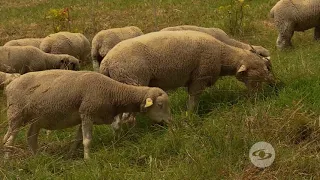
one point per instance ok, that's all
(262, 154)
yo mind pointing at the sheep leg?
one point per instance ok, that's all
(123, 118)
(95, 65)
(32, 137)
(116, 125)
(129, 119)
(286, 31)
(193, 102)
(9, 141)
(195, 89)
(87, 125)
(15, 122)
(77, 141)
(9, 137)
(317, 33)
(6, 136)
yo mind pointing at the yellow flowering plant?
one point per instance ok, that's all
(60, 19)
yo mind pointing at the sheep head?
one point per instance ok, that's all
(254, 70)
(156, 105)
(69, 63)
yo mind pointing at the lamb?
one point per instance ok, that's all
(221, 36)
(25, 42)
(295, 15)
(74, 44)
(105, 40)
(23, 59)
(6, 78)
(58, 99)
(191, 59)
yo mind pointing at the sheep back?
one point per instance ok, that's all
(304, 14)
(105, 40)
(181, 57)
(25, 42)
(74, 44)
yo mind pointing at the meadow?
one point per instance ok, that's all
(213, 143)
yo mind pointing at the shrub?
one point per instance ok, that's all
(236, 17)
(60, 19)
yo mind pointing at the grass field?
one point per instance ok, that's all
(212, 144)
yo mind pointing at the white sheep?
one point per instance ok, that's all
(105, 40)
(221, 36)
(183, 59)
(23, 59)
(6, 78)
(35, 42)
(25, 42)
(58, 99)
(74, 44)
(295, 15)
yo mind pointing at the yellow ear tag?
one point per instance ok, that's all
(149, 102)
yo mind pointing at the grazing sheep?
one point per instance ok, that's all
(58, 99)
(74, 44)
(295, 15)
(6, 78)
(23, 59)
(221, 36)
(35, 42)
(192, 59)
(105, 40)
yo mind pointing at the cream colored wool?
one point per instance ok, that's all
(58, 99)
(183, 59)
(35, 42)
(105, 40)
(295, 15)
(74, 44)
(23, 59)
(221, 36)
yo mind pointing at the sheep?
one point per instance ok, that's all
(74, 44)
(105, 40)
(23, 59)
(294, 15)
(6, 78)
(191, 59)
(58, 99)
(221, 36)
(25, 42)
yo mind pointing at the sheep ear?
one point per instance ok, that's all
(242, 68)
(252, 49)
(63, 61)
(149, 102)
(267, 58)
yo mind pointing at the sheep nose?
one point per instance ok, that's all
(164, 122)
(168, 121)
(271, 80)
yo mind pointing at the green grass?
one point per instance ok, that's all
(212, 144)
